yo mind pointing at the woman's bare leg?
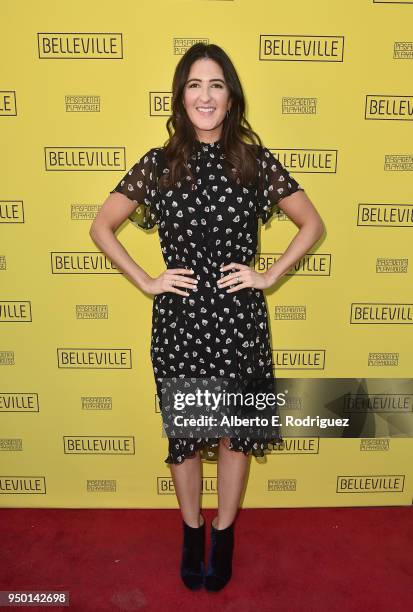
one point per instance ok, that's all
(232, 468)
(186, 477)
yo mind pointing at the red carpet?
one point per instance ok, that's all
(310, 559)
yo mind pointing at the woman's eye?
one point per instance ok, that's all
(214, 85)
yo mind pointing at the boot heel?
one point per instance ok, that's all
(193, 551)
(219, 570)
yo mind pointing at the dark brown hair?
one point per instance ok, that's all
(238, 154)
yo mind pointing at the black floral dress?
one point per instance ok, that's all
(210, 332)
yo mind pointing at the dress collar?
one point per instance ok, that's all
(208, 146)
(207, 149)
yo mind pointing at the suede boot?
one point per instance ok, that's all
(193, 551)
(219, 569)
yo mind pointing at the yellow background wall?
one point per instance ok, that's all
(339, 122)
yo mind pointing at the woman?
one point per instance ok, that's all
(205, 190)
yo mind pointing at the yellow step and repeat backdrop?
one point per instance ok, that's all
(85, 91)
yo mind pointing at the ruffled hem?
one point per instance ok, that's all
(209, 448)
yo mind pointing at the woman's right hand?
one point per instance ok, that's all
(170, 280)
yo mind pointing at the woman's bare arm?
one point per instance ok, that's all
(115, 210)
(299, 208)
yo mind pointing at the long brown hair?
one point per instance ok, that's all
(238, 154)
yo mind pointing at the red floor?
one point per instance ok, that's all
(316, 559)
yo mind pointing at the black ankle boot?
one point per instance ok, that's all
(193, 550)
(220, 558)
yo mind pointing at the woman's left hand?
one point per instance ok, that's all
(248, 277)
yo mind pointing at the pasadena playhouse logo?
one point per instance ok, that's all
(279, 485)
(398, 162)
(82, 103)
(11, 444)
(383, 359)
(392, 265)
(96, 403)
(290, 313)
(181, 45)
(403, 49)
(101, 486)
(298, 106)
(84, 212)
(374, 444)
(92, 311)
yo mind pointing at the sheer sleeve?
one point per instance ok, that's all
(275, 183)
(140, 185)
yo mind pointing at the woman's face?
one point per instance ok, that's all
(206, 99)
